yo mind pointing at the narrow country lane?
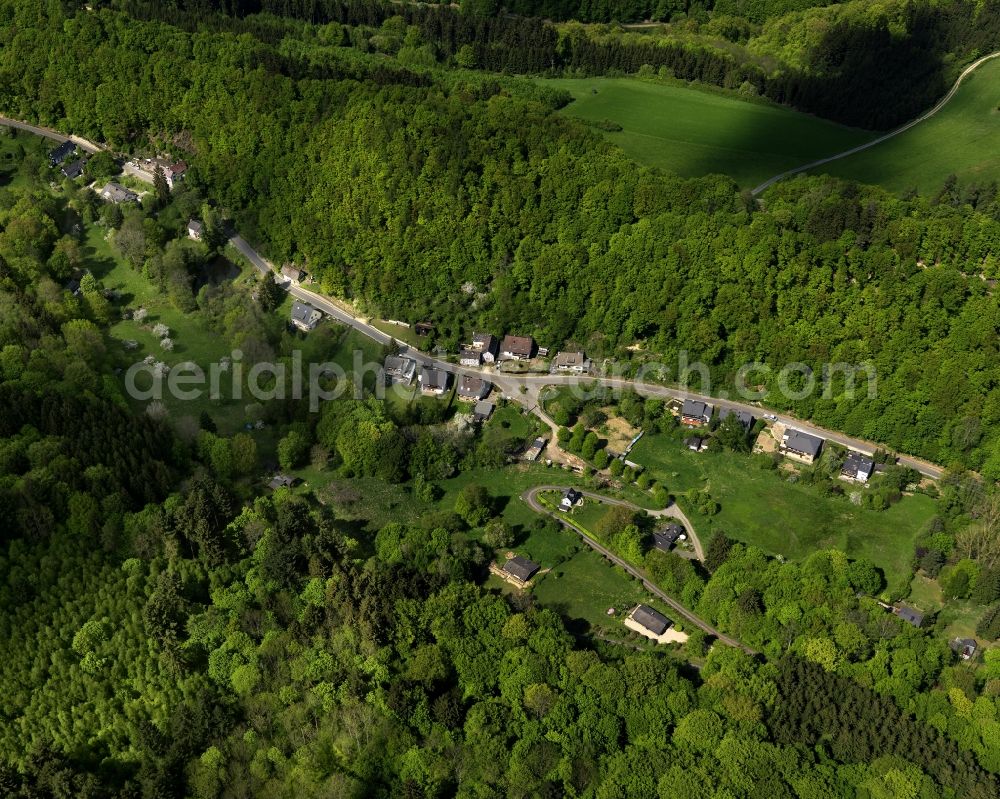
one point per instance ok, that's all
(531, 498)
(875, 142)
(511, 385)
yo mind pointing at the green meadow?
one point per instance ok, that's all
(763, 507)
(962, 139)
(691, 131)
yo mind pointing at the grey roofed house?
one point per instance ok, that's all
(746, 419)
(694, 443)
(59, 154)
(281, 481)
(910, 615)
(293, 273)
(116, 193)
(652, 620)
(470, 357)
(521, 568)
(857, 467)
(696, 412)
(665, 538)
(802, 443)
(400, 368)
(433, 380)
(472, 387)
(75, 169)
(194, 229)
(483, 410)
(304, 316)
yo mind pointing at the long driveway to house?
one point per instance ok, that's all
(531, 498)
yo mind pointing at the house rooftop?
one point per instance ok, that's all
(484, 341)
(483, 410)
(61, 152)
(75, 169)
(797, 441)
(473, 387)
(521, 568)
(518, 345)
(303, 312)
(652, 620)
(434, 378)
(281, 481)
(666, 536)
(857, 464)
(194, 226)
(911, 615)
(696, 409)
(569, 360)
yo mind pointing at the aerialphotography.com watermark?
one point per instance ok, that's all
(231, 378)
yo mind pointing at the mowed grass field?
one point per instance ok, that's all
(761, 507)
(693, 132)
(963, 138)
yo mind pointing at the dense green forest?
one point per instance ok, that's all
(169, 627)
(461, 180)
(868, 65)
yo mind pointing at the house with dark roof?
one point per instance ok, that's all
(745, 418)
(59, 154)
(800, 446)
(648, 622)
(483, 411)
(668, 535)
(292, 274)
(399, 369)
(471, 387)
(281, 481)
(520, 569)
(433, 381)
(75, 169)
(571, 362)
(695, 413)
(423, 328)
(517, 348)
(304, 316)
(470, 357)
(486, 345)
(965, 647)
(910, 615)
(695, 443)
(194, 229)
(174, 173)
(570, 499)
(116, 193)
(857, 468)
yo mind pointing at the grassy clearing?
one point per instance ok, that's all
(694, 132)
(962, 139)
(761, 507)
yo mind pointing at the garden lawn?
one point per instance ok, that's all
(692, 131)
(761, 507)
(962, 139)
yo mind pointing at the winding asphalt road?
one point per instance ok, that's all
(874, 142)
(525, 388)
(531, 498)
